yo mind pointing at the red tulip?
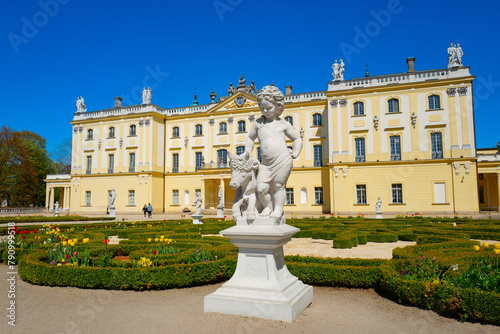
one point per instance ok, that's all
(34, 231)
(154, 251)
(68, 256)
(23, 237)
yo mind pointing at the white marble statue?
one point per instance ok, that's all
(244, 168)
(146, 96)
(198, 201)
(455, 54)
(80, 105)
(219, 198)
(378, 205)
(338, 70)
(341, 70)
(112, 198)
(277, 162)
(57, 208)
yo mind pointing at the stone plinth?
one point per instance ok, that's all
(261, 286)
(379, 215)
(112, 211)
(196, 218)
(220, 213)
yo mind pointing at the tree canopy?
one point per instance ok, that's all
(24, 164)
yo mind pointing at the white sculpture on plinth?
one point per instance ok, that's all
(146, 96)
(220, 204)
(80, 105)
(455, 54)
(378, 208)
(262, 286)
(111, 201)
(57, 209)
(338, 70)
(197, 214)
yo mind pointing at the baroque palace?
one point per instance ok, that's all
(407, 138)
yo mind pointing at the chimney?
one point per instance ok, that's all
(288, 90)
(411, 64)
(118, 102)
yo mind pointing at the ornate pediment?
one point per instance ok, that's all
(237, 101)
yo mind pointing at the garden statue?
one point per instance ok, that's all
(197, 214)
(262, 286)
(112, 198)
(378, 208)
(220, 203)
(57, 209)
(243, 179)
(277, 162)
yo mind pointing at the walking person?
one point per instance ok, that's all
(145, 210)
(150, 210)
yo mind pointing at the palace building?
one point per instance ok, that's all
(407, 138)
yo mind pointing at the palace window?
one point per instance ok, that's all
(222, 158)
(318, 195)
(240, 150)
(131, 159)
(395, 148)
(242, 126)
(222, 128)
(361, 194)
(397, 193)
(198, 160)
(393, 105)
(89, 164)
(318, 155)
(90, 134)
(434, 102)
(111, 163)
(175, 132)
(198, 130)
(175, 197)
(437, 145)
(359, 109)
(175, 163)
(131, 197)
(111, 133)
(88, 198)
(317, 120)
(289, 196)
(133, 130)
(289, 119)
(360, 149)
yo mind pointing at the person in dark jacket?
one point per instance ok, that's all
(150, 210)
(145, 210)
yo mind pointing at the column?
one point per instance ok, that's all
(66, 197)
(202, 190)
(47, 196)
(51, 200)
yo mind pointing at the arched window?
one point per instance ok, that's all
(359, 109)
(175, 132)
(133, 130)
(90, 134)
(289, 119)
(198, 130)
(393, 105)
(112, 132)
(222, 158)
(240, 149)
(434, 102)
(242, 126)
(222, 127)
(316, 119)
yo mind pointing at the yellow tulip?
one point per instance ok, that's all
(497, 251)
(156, 239)
(85, 240)
(64, 243)
(162, 236)
(496, 245)
(476, 248)
(75, 240)
(149, 239)
(486, 245)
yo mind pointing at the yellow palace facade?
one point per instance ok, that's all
(407, 138)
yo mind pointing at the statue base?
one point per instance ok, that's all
(261, 286)
(56, 214)
(112, 212)
(196, 218)
(220, 213)
(379, 215)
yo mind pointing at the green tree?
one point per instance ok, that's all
(24, 164)
(62, 156)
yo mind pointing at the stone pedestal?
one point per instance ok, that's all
(379, 215)
(220, 212)
(196, 218)
(112, 211)
(261, 286)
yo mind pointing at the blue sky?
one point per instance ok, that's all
(51, 54)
